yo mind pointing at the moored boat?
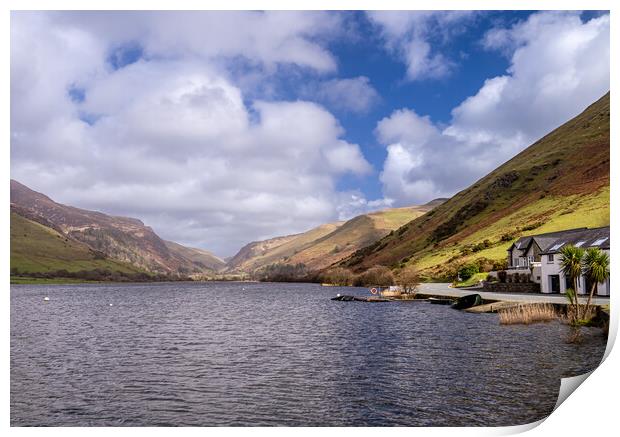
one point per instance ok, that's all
(468, 301)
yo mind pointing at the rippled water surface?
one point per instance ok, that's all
(275, 354)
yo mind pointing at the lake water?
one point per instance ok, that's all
(275, 354)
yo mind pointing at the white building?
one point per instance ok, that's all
(540, 255)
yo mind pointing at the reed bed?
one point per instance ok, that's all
(528, 313)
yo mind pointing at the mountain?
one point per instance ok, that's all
(122, 239)
(201, 258)
(559, 182)
(327, 244)
(259, 253)
(39, 248)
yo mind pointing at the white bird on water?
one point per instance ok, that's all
(46, 298)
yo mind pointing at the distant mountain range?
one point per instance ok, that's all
(327, 244)
(560, 182)
(47, 236)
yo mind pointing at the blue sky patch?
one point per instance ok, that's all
(125, 54)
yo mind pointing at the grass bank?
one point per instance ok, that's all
(45, 281)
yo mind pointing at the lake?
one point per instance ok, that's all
(239, 354)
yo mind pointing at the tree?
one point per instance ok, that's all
(408, 280)
(596, 269)
(468, 270)
(375, 276)
(338, 276)
(571, 266)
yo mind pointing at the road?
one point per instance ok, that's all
(440, 289)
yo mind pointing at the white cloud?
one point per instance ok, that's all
(269, 38)
(354, 94)
(171, 139)
(559, 65)
(353, 203)
(410, 34)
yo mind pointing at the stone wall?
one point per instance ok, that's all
(512, 287)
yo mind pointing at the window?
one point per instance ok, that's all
(599, 241)
(579, 244)
(557, 246)
(550, 258)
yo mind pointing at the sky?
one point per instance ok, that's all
(221, 128)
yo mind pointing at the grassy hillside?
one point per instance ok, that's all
(326, 244)
(37, 248)
(559, 182)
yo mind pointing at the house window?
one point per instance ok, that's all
(550, 258)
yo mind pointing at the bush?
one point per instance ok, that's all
(502, 276)
(486, 266)
(338, 276)
(377, 275)
(500, 264)
(408, 281)
(509, 236)
(468, 270)
(279, 272)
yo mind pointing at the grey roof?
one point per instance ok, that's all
(553, 242)
(544, 241)
(596, 237)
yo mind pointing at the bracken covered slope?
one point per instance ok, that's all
(326, 244)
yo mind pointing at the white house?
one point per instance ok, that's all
(539, 255)
(553, 280)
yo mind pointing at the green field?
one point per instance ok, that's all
(37, 248)
(47, 281)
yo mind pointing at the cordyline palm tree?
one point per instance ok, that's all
(571, 265)
(596, 269)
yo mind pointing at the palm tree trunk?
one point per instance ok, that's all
(576, 300)
(594, 285)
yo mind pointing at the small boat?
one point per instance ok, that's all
(438, 301)
(468, 301)
(344, 298)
